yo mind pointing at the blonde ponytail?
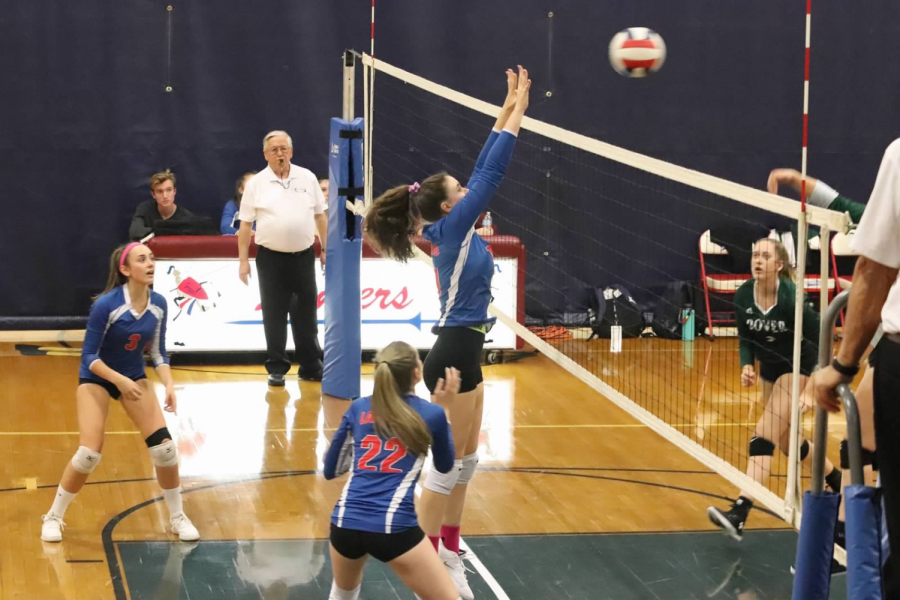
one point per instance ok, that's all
(394, 418)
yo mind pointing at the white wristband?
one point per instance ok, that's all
(822, 195)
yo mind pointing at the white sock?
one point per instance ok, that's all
(61, 502)
(339, 594)
(173, 501)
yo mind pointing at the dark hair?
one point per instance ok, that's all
(116, 278)
(394, 217)
(237, 187)
(394, 418)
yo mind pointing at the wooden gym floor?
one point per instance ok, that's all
(574, 499)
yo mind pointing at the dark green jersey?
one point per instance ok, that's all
(840, 204)
(769, 336)
(844, 204)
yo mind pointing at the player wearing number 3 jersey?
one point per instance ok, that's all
(127, 319)
(382, 441)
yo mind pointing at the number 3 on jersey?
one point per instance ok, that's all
(372, 444)
(133, 341)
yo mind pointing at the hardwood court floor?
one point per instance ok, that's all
(557, 460)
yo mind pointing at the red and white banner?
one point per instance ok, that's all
(211, 310)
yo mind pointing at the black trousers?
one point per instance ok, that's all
(287, 283)
(887, 441)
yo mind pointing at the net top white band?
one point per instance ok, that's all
(835, 221)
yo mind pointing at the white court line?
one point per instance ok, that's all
(483, 571)
(470, 556)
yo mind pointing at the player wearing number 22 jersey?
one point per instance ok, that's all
(378, 495)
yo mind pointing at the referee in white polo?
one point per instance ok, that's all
(288, 207)
(874, 298)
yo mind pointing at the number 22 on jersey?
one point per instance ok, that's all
(373, 445)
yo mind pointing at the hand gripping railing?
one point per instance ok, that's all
(820, 436)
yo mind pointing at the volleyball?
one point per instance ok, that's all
(637, 52)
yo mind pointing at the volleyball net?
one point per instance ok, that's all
(616, 244)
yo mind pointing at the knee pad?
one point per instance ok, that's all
(804, 449)
(469, 464)
(761, 447)
(443, 483)
(85, 460)
(158, 437)
(868, 457)
(165, 454)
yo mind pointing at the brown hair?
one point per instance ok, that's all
(116, 277)
(394, 418)
(394, 217)
(162, 177)
(237, 187)
(781, 254)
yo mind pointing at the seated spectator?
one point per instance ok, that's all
(230, 222)
(161, 208)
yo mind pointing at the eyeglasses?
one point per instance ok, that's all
(279, 150)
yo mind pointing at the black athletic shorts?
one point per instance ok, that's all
(771, 371)
(458, 347)
(354, 544)
(110, 388)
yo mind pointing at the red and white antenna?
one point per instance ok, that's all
(805, 108)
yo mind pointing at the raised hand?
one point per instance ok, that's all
(791, 178)
(511, 86)
(523, 86)
(446, 389)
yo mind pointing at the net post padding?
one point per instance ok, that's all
(343, 311)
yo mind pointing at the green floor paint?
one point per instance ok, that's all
(672, 566)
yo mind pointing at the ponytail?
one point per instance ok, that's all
(394, 418)
(395, 216)
(787, 271)
(116, 278)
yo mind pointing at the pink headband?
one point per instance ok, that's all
(414, 188)
(125, 252)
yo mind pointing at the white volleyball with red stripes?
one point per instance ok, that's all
(637, 52)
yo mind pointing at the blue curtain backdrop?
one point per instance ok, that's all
(85, 117)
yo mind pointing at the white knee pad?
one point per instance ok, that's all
(85, 460)
(469, 464)
(443, 483)
(165, 454)
(339, 594)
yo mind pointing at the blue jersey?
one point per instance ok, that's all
(462, 259)
(118, 336)
(378, 495)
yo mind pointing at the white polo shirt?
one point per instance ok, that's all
(878, 236)
(284, 209)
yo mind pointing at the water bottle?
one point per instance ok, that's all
(487, 221)
(687, 324)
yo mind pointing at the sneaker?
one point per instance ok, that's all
(731, 522)
(184, 528)
(314, 376)
(457, 571)
(276, 379)
(51, 530)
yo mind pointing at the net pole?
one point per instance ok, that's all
(369, 93)
(792, 492)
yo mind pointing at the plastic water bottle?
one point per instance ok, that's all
(687, 327)
(487, 221)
